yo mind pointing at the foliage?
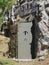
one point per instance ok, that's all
(5, 5)
(6, 61)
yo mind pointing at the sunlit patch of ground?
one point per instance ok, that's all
(4, 43)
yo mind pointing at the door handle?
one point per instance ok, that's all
(25, 32)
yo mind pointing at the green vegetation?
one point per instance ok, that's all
(6, 61)
(5, 5)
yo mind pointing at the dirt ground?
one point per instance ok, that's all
(3, 43)
(4, 48)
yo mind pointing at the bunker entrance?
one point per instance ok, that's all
(23, 44)
(23, 41)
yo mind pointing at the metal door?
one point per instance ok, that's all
(24, 40)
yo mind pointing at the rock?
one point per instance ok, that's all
(44, 42)
(45, 17)
(2, 32)
(14, 58)
(41, 58)
(47, 9)
(41, 53)
(42, 27)
(6, 18)
(46, 51)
